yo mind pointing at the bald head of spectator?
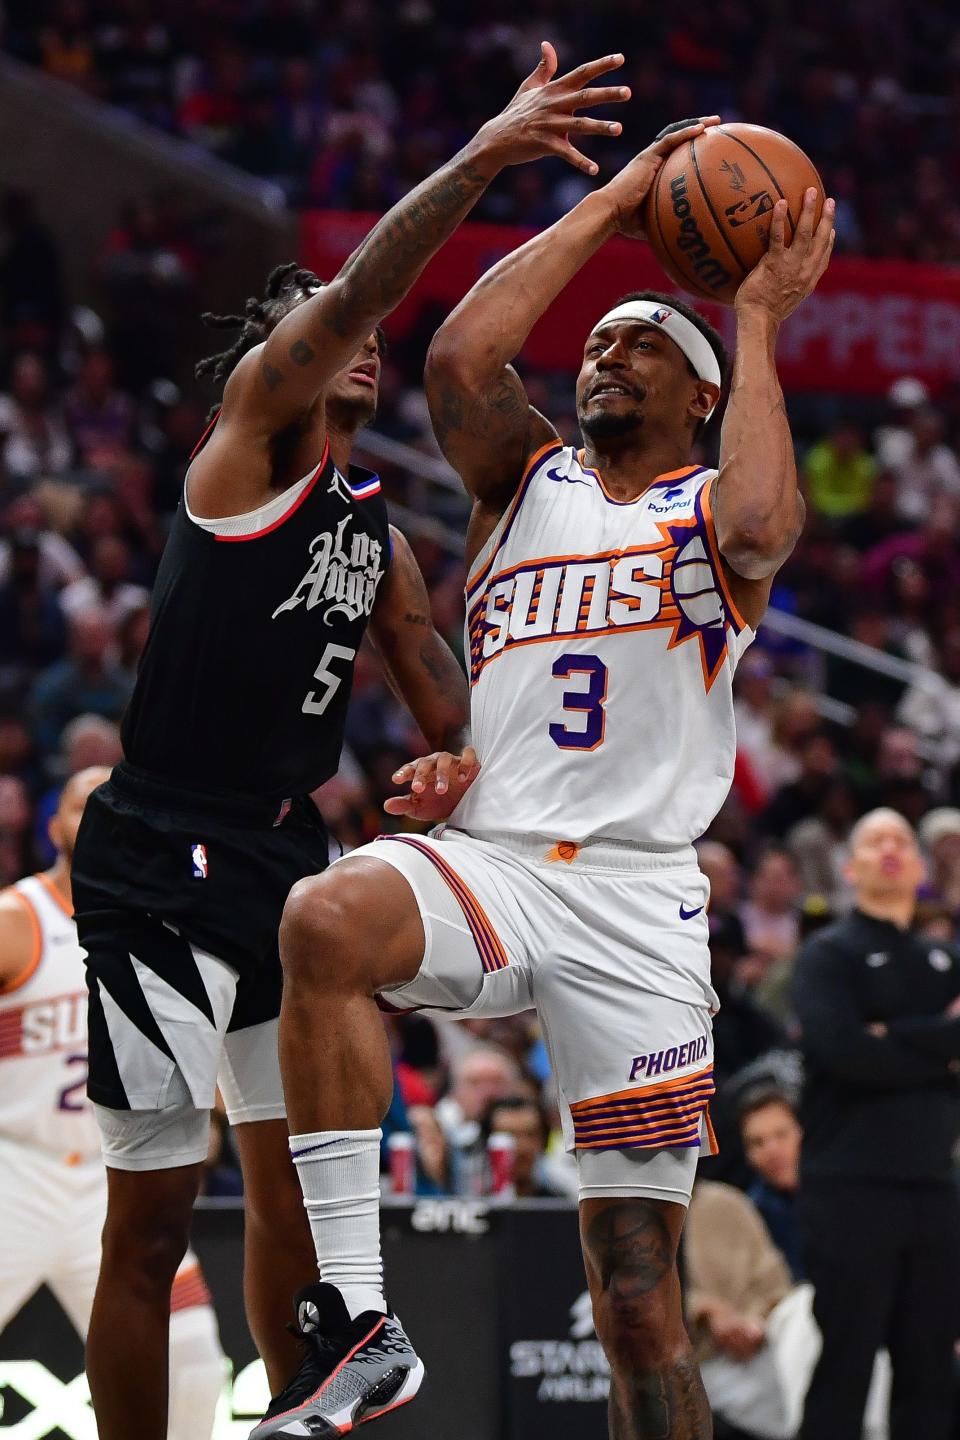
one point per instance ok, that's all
(484, 1074)
(885, 868)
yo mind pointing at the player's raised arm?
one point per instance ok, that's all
(481, 416)
(758, 509)
(283, 378)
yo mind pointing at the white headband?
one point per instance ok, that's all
(680, 330)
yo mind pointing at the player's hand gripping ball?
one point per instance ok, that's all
(708, 213)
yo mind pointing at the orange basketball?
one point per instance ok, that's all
(708, 213)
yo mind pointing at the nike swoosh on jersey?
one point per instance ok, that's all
(686, 914)
(557, 474)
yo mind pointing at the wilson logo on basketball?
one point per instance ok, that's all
(343, 575)
(690, 240)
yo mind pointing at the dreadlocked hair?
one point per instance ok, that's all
(287, 285)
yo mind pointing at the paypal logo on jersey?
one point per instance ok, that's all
(676, 498)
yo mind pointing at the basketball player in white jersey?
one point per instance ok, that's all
(611, 591)
(53, 1198)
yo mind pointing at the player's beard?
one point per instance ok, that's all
(607, 425)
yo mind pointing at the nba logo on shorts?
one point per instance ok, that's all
(198, 862)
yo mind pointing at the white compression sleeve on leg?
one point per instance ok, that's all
(198, 1369)
(340, 1177)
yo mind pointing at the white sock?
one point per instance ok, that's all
(340, 1178)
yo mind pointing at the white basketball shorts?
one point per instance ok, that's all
(609, 943)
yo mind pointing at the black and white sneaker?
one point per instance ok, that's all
(352, 1371)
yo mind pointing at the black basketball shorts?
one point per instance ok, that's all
(178, 897)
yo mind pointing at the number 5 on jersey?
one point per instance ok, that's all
(584, 699)
(314, 706)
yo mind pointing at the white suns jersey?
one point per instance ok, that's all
(602, 641)
(43, 1035)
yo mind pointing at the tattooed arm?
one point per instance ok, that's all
(483, 422)
(420, 666)
(281, 379)
(757, 507)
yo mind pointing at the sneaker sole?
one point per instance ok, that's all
(365, 1411)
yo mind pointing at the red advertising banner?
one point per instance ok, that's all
(869, 321)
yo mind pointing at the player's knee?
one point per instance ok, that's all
(321, 921)
(145, 1251)
(639, 1332)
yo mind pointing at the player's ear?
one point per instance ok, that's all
(705, 397)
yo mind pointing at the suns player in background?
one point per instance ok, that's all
(610, 592)
(53, 1198)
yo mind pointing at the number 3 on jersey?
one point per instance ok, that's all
(584, 699)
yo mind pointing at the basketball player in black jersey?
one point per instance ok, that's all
(279, 558)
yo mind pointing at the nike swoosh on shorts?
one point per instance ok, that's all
(686, 914)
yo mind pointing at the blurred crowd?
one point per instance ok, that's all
(346, 103)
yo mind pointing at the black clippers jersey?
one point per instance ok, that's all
(246, 674)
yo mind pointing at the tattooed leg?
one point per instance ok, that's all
(630, 1248)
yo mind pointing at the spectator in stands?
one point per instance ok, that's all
(899, 782)
(931, 706)
(32, 629)
(736, 1278)
(107, 588)
(795, 718)
(719, 864)
(927, 467)
(16, 857)
(742, 1032)
(528, 1123)
(88, 680)
(770, 1134)
(33, 439)
(32, 304)
(818, 765)
(939, 834)
(839, 473)
(819, 843)
(769, 916)
(480, 1076)
(880, 1013)
(932, 547)
(754, 709)
(59, 562)
(99, 416)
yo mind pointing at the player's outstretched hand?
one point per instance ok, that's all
(542, 115)
(787, 274)
(628, 190)
(438, 783)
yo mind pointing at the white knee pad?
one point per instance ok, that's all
(198, 1370)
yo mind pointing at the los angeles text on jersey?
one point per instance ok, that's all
(670, 584)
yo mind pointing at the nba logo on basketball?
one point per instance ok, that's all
(199, 865)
